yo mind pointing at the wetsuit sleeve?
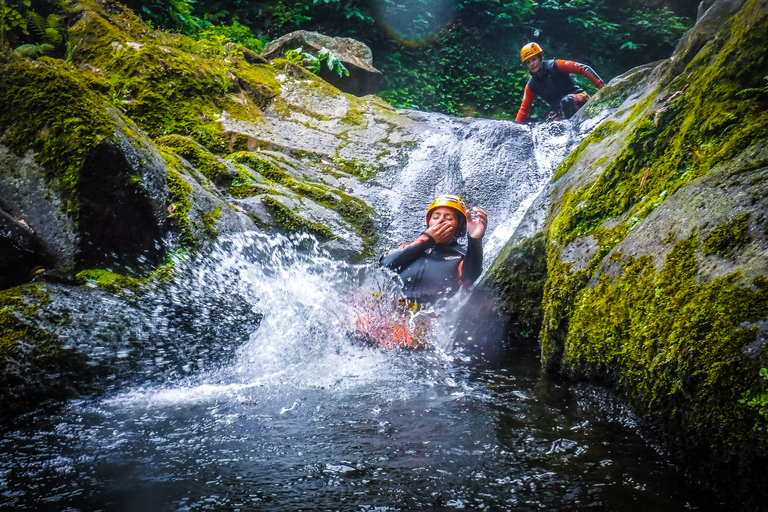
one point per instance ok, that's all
(472, 266)
(398, 259)
(525, 107)
(580, 69)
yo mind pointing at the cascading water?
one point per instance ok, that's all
(300, 416)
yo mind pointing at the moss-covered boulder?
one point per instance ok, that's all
(657, 250)
(81, 175)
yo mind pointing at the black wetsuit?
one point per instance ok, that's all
(554, 84)
(431, 271)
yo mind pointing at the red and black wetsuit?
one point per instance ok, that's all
(553, 83)
(431, 271)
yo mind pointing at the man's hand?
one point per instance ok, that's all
(476, 225)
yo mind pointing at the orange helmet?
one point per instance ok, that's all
(454, 202)
(530, 50)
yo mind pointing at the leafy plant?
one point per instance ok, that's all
(33, 51)
(48, 29)
(11, 19)
(286, 17)
(235, 33)
(176, 15)
(315, 63)
(295, 56)
(759, 401)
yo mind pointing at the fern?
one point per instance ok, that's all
(48, 29)
(33, 51)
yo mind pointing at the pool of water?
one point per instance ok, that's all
(354, 429)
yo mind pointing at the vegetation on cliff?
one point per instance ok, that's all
(656, 255)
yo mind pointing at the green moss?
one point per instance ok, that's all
(562, 287)
(355, 117)
(612, 96)
(16, 305)
(360, 169)
(675, 348)
(290, 222)
(354, 211)
(169, 84)
(180, 206)
(727, 238)
(209, 222)
(686, 136)
(263, 165)
(199, 157)
(517, 278)
(240, 143)
(605, 129)
(50, 111)
(244, 184)
(107, 280)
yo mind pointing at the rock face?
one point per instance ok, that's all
(656, 249)
(357, 58)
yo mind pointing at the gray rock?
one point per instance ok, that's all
(357, 58)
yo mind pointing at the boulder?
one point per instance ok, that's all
(19, 250)
(363, 78)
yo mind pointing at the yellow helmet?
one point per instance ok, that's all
(530, 50)
(454, 202)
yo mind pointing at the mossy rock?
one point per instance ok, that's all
(657, 256)
(517, 279)
(95, 178)
(202, 159)
(31, 358)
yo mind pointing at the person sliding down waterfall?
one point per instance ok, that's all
(431, 268)
(435, 265)
(552, 81)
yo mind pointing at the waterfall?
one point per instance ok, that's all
(500, 166)
(307, 302)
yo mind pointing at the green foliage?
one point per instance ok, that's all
(295, 56)
(462, 57)
(48, 30)
(33, 51)
(314, 63)
(173, 15)
(651, 31)
(11, 19)
(758, 400)
(235, 33)
(348, 8)
(286, 17)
